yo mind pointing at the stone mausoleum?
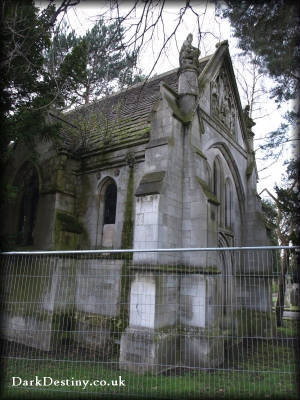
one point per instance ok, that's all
(164, 164)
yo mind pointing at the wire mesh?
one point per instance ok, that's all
(166, 323)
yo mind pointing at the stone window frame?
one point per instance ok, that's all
(217, 187)
(102, 187)
(110, 210)
(228, 195)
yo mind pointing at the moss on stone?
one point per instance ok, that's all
(63, 326)
(127, 232)
(68, 222)
(199, 152)
(173, 104)
(254, 322)
(249, 169)
(207, 270)
(127, 243)
(67, 231)
(211, 197)
(114, 324)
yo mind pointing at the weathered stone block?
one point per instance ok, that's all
(29, 330)
(33, 309)
(98, 287)
(108, 235)
(202, 348)
(200, 300)
(153, 300)
(148, 351)
(95, 335)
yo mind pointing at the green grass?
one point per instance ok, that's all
(232, 384)
(263, 375)
(258, 369)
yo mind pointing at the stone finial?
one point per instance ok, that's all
(248, 121)
(189, 55)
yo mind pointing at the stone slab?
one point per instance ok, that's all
(98, 287)
(193, 300)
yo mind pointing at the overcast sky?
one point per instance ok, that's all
(214, 30)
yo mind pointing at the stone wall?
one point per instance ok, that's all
(44, 297)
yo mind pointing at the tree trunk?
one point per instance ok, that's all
(281, 288)
(87, 95)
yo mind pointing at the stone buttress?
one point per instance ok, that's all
(174, 317)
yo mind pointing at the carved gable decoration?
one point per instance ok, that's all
(222, 103)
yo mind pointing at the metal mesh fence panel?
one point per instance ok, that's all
(186, 323)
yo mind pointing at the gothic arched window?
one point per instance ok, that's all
(217, 188)
(217, 179)
(228, 203)
(110, 204)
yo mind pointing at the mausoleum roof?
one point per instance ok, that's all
(121, 118)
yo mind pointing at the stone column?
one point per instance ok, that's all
(188, 79)
(188, 90)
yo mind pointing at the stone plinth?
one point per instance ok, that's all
(149, 343)
(98, 291)
(201, 341)
(174, 321)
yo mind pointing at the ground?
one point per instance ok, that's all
(261, 368)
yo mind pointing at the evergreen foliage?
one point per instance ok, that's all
(25, 32)
(288, 197)
(43, 67)
(90, 66)
(270, 29)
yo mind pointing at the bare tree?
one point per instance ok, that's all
(251, 84)
(146, 21)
